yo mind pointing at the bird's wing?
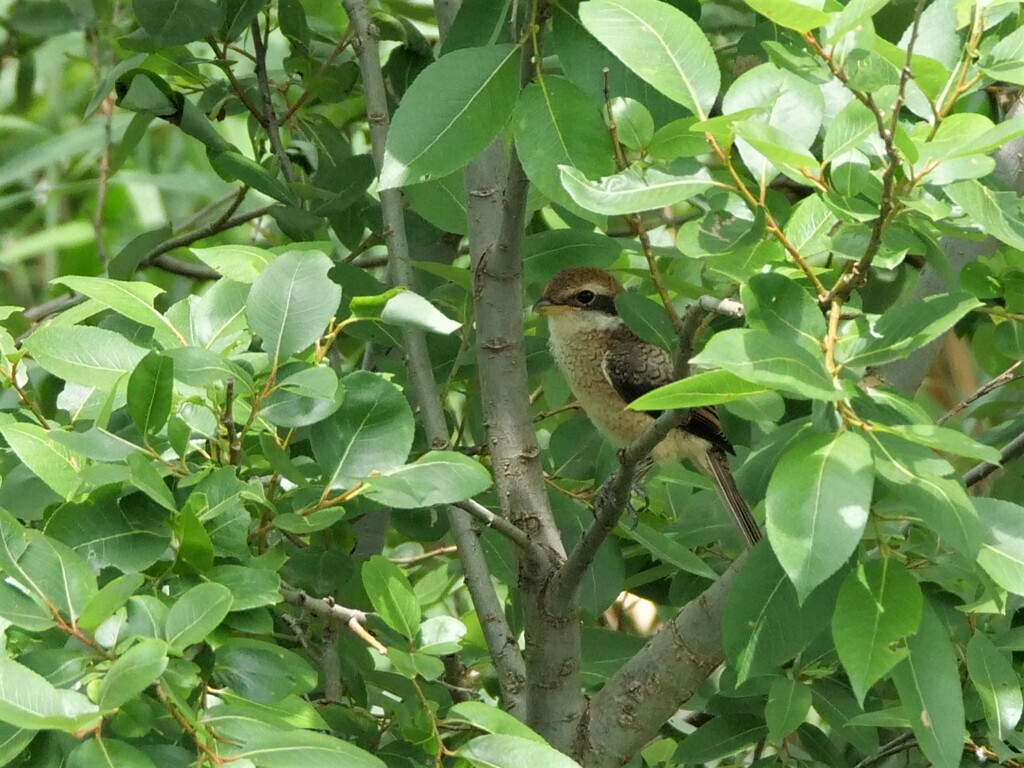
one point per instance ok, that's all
(633, 368)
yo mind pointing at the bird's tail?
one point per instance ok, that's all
(717, 468)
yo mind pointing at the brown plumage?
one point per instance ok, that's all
(608, 366)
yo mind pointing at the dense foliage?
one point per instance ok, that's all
(263, 356)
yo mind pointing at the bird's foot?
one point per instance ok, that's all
(634, 509)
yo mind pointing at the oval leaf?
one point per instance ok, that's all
(817, 505)
(196, 614)
(661, 44)
(879, 605)
(430, 137)
(291, 302)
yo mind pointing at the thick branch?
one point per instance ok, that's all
(646, 692)
(1012, 450)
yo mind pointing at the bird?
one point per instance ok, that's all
(607, 366)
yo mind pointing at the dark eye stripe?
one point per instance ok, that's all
(602, 303)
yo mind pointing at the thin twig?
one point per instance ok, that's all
(901, 743)
(451, 549)
(270, 122)
(855, 273)
(325, 608)
(500, 524)
(1003, 378)
(636, 221)
(610, 503)
(215, 227)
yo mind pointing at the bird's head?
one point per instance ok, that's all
(579, 290)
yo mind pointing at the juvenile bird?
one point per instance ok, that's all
(608, 366)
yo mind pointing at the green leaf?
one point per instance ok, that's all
(410, 310)
(232, 164)
(994, 213)
(195, 614)
(669, 551)
(706, 388)
(110, 532)
(436, 477)
(788, 704)
(112, 596)
(790, 111)
(764, 358)
(92, 357)
(720, 737)
(503, 751)
(929, 490)
(132, 299)
(291, 302)
(491, 720)
(633, 190)
(372, 431)
(545, 253)
(855, 13)
(905, 328)
(132, 673)
(848, 129)
(430, 137)
(28, 700)
(150, 387)
(53, 574)
(250, 587)
(942, 439)
(288, 749)
(555, 123)
(928, 683)
(54, 464)
(146, 478)
(440, 635)
(304, 395)
(68, 235)
(879, 606)
(647, 319)
(180, 22)
(241, 263)
(817, 505)
(1006, 59)
(442, 202)
(1002, 547)
(661, 44)
(997, 684)
(391, 595)
(764, 624)
(777, 304)
(634, 124)
(791, 14)
(108, 753)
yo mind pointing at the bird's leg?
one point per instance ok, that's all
(640, 491)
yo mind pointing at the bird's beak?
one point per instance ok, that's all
(543, 305)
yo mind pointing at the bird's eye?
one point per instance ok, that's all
(585, 297)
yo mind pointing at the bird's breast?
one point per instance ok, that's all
(580, 352)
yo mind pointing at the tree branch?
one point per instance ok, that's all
(645, 692)
(1012, 450)
(269, 115)
(326, 608)
(507, 660)
(609, 505)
